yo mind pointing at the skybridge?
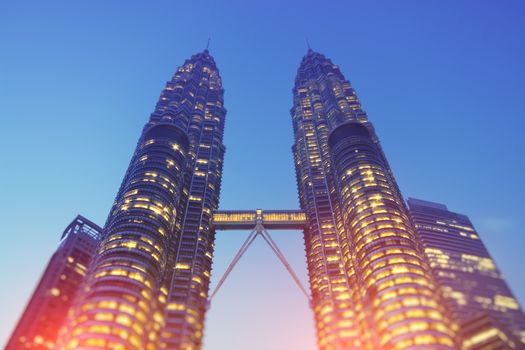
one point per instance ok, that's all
(248, 219)
(258, 222)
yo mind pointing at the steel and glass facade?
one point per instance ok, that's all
(371, 286)
(148, 287)
(468, 277)
(48, 307)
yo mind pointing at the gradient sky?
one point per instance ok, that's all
(441, 80)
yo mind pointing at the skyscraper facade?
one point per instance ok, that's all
(45, 313)
(148, 287)
(370, 283)
(467, 275)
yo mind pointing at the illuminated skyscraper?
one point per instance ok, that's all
(467, 276)
(148, 287)
(371, 286)
(38, 327)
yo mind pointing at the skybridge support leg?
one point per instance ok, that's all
(283, 260)
(234, 262)
(259, 230)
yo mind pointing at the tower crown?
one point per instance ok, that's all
(313, 66)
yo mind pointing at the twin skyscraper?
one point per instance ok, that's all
(378, 280)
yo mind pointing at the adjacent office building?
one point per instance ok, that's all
(471, 284)
(39, 325)
(484, 332)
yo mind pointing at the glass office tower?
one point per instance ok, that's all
(467, 275)
(371, 285)
(47, 309)
(148, 287)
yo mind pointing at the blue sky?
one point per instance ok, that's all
(441, 80)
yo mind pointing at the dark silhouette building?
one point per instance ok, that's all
(47, 309)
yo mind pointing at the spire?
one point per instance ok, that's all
(208, 44)
(308, 44)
